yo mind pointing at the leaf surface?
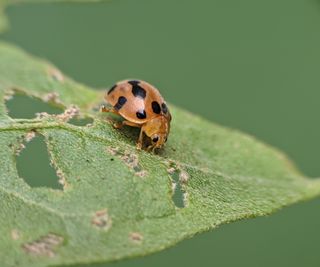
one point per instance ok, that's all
(117, 202)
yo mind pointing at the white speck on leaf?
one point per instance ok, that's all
(15, 234)
(29, 136)
(183, 177)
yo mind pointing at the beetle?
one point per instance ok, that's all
(141, 105)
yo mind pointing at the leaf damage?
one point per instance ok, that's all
(136, 237)
(44, 246)
(102, 220)
(131, 159)
(57, 75)
(120, 214)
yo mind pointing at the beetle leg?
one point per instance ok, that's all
(119, 125)
(103, 108)
(140, 140)
(154, 149)
(151, 148)
(129, 123)
(111, 110)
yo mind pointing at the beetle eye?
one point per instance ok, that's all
(155, 139)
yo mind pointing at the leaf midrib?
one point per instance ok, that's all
(36, 124)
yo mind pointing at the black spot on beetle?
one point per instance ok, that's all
(121, 101)
(111, 89)
(137, 90)
(164, 108)
(141, 114)
(134, 82)
(156, 107)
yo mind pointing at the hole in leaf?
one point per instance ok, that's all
(178, 195)
(81, 121)
(34, 165)
(25, 107)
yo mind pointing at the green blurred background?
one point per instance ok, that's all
(252, 65)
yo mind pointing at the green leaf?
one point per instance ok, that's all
(118, 202)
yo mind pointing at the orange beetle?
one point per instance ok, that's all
(141, 105)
